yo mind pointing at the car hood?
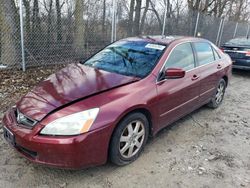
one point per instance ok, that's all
(72, 83)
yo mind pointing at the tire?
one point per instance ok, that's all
(131, 132)
(219, 95)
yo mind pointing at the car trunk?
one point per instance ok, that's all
(237, 52)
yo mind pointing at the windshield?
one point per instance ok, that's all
(239, 41)
(130, 58)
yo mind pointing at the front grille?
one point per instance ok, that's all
(24, 120)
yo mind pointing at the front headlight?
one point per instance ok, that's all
(73, 124)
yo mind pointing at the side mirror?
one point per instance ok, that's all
(174, 73)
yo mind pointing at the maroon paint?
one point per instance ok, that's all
(71, 83)
(116, 96)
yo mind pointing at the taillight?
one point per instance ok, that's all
(222, 50)
(247, 52)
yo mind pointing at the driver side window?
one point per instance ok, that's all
(181, 57)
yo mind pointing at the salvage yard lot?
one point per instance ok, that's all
(208, 148)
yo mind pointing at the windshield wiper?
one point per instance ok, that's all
(123, 55)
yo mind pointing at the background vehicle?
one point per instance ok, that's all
(239, 50)
(110, 104)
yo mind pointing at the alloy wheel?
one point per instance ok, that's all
(132, 139)
(220, 93)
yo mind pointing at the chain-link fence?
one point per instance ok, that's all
(42, 32)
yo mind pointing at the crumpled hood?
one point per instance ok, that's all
(74, 82)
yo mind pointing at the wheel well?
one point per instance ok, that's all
(148, 116)
(140, 110)
(144, 112)
(226, 79)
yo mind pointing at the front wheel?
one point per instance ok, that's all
(129, 139)
(219, 95)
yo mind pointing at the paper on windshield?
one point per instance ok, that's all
(155, 46)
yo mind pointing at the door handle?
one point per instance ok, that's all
(219, 66)
(195, 77)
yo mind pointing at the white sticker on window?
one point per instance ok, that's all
(155, 46)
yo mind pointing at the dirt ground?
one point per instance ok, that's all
(208, 148)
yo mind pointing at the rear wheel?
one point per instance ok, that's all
(129, 139)
(219, 95)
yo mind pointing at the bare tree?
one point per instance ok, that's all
(137, 17)
(241, 11)
(144, 16)
(59, 20)
(79, 29)
(49, 10)
(69, 33)
(104, 17)
(36, 28)
(10, 52)
(131, 18)
(26, 4)
(236, 10)
(156, 13)
(193, 4)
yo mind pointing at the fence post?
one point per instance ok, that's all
(196, 24)
(164, 21)
(21, 33)
(236, 28)
(248, 28)
(219, 31)
(113, 31)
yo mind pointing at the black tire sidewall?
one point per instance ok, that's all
(213, 102)
(114, 152)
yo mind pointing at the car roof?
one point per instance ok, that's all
(161, 39)
(239, 41)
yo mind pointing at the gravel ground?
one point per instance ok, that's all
(208, 148)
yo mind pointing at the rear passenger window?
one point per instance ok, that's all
(205, 53)
(216, 55)
(181, 57)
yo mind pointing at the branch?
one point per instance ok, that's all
(62, 4)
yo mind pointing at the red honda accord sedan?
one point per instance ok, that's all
(108, 106)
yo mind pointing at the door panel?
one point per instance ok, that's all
(209, 66)
(209, 80)
(177, 97)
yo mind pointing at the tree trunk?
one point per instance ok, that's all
(1, 26)
(104, 18)
(137, 17)
(36, 29)
(49, 29)
(35, 17)
(169, 29)
(144, 16)
(27, 16)
(69, 35)
(192, 15)
(239, 11)
(156, 14)
(79, 30)
(59, 21)
(131, 18)
(10, 51)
